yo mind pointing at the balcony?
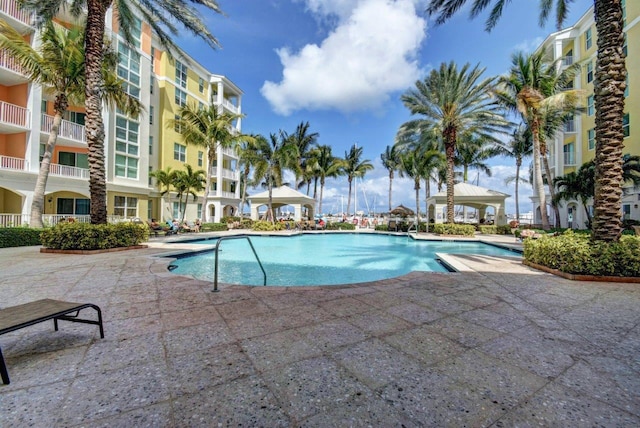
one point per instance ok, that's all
(10, 71)
(13, 164)
(226, 173)
(229, 152)
(569, 159)
(567, 60)
(13, 118)
(229, 106)
(69, 132)
(17, 17)
(68, 171)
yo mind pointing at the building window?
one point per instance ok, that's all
(590, 72)
(152, 83)
(200, 105)
(179, 152)
(153, 58)
(124, 206)
(181, 74)
(70, 206)
(623, 4)
(127, 146)
(150, 144)
(149, 209)
(150, 115)
(150, 180)
(75, 117)
(588, 39)
(201, 85)
(626, 127)
(181, 97)
(176, 210)
(78, 160)
(199, 211)
(570, 125)
(626, 211)
(129, 69)
(569, 154)
(626, 89)
(591, 109)
(177, 125)
(200, 158)
(591, 138)
(568, 58)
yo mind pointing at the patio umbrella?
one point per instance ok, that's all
(401, 210)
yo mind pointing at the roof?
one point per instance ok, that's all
(466, 189)
(282, 193)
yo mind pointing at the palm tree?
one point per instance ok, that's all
(272, 157)
(304, 142)
(518, 147)
(354, 167)
(536, 89)
(454, 101)
(58, 65)
(471, 153)
(164, 179)
(247, 155)
(161, 15)
(609, 87)
(418, 166)
(391, 162)
(188, 182)
(210, 129)
(329, 166)
(577, 185)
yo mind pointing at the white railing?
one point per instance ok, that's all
(229, 152)
(567, 60)
(10, 63)
(11, 8)
(13, 114)
(229, 105)
(226, 173)
(17, 164)
(68, 171)
(13, 220)
(19, 220)
(70, 130)
(569, 158)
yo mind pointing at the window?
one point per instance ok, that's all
(150, 144)
(200, 105)
(43, 106)
(150, 180)
(200, 158)
(626, 211)
(569, 154)
(568, 58)
(623, 4)
(199, 211)
(591, 138)
(179, 152)
(125, 206)
(181, 74)
(127, 146)
(75, 117)
(624, 46)
(626, 89)
(152, 83)
(135, 30)
(153, 58)
(590, 71)
(177, 124)
(71, 206)
(129, 69)
(626, 128)
(590, 106)
(570, 125)
(150, 115)
(78, 160)
(150, 209)
(181, 97)
(588, 39)
(176, 210)
(201, 85)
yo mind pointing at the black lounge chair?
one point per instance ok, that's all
(16, 317)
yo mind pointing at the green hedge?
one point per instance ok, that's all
(454, 229)
(382, 228)
(493, 229)
(341, 226)
(578, 254)
(84, 236)
(19, 237)
(213, 227)
(267, 226)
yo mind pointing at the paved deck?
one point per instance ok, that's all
(498, 345)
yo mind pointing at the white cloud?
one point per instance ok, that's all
(529, 45)
(370, 52)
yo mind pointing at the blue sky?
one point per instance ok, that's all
(342, 65)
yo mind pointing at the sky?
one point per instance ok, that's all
(342, 66)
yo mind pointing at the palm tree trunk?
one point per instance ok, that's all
(518, 163)
(94, 126)
(349, 198)
(390, 188)
(211, 158)
(552, 192)
(417, 187)
(586, 211)
(537, 173)
(321, 193)
(270, 208)
(609, 88)
(450, 147)
(37, 205)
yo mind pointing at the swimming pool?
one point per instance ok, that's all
(323, 259)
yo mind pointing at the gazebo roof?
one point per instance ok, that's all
(283, 194)
(465, 189)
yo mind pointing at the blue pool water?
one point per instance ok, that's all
(323, 259)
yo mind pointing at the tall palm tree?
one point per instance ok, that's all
(188, 182)
(391, 162)
(454, 101)
(164, 180)
(609, 87)
(472, 152)
(272, 157)
(247, 157)
(354, 167)
(577, 185)
(58, 64)
(208, 128)
(518, 147)
(161, 15)
(418, 166)
(536, 89)
(329, 166)
(304, 141)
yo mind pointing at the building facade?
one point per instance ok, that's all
(575, 144)
(134, 147)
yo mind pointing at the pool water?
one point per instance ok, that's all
(323, 259)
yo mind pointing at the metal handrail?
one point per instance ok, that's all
(215, 274)
(411, 227)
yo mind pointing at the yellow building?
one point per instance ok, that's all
(576, 144)
(133, 146)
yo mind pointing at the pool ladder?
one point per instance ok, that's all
(412, 227)
(223, 238)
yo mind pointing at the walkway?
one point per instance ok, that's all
(499, 345)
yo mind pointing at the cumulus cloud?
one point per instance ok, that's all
(369, 53)
(529, 45)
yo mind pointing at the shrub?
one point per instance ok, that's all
(266, 226)
(577, 254)
(454, 229)
(84, 236)
(19, 237)
(230, 219)
(488, 230)
(341, 226)
(213, 227)
(382, 228)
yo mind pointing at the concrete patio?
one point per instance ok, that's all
(498, 345)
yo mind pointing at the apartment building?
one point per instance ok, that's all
(134, 147)
(575, 145)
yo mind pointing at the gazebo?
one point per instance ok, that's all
(280, 197)
(468, 195)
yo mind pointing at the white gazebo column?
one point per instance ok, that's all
(297, 212)
(482, 212)
(254, 212)
(440, 215)
(501, 218)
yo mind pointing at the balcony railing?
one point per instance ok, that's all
(14, 115)
(567, 60)
(15, 164)
(11, 8)
(229, 152)
(569, 158)
(68, 171)
(226, 173)
(227, 104)
(70, 130)
(9, 62)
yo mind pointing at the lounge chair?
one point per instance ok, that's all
(392, 225)
(16, 317)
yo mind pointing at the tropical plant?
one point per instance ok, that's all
(471, 152)
(577, 185)
(161, 16)
(391, 162)
(454, 101)
(354, 167)
(58, 65)
(164, 180)
(518, 147)
(246, 150)
(329, 166)
(208, 128)
(609, 87)
(305, 143)
(188, 182)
